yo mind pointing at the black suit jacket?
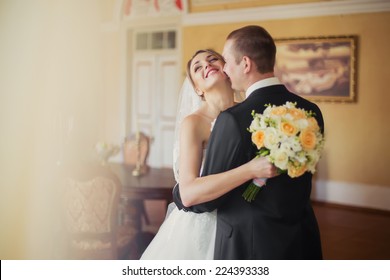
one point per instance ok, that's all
(280, 222)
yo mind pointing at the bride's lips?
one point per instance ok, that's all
(211, 70)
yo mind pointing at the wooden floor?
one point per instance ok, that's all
(349, 233)
(353, 234)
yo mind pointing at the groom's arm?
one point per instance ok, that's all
(222, 152)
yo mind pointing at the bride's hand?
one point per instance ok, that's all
(262, 168)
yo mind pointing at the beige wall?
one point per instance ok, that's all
(51, 103)
(357, 134)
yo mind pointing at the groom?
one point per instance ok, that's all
(280, 222)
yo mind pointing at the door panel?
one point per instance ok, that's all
(169, 88)
(144, 88)
(154, 102)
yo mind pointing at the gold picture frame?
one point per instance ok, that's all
(318, 68)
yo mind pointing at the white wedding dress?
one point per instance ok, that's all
(184, 236)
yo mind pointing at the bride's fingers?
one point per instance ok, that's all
(272, 171)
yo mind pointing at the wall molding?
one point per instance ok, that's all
(277, 12)
(287, 12)
(352, 194)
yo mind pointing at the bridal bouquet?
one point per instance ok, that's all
(289, 137)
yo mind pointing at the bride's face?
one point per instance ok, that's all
(206, 70)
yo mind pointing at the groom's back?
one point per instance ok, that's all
(279, 223)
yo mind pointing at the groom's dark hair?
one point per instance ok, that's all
(256, 43)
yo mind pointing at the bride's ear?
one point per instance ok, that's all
(199, 93)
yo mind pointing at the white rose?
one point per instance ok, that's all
(271, 138)
(268, 110)
(313, 157)
(290, 104)
(286, 148)
(302, 124)
(275, 121)
(255, 125)
(262, 123)
(300, 157)
(288, 117)
(295, 144)
(279, 158)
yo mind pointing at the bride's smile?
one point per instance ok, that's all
(211, 71)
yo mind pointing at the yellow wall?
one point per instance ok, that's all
(357, 133)
(195, 7)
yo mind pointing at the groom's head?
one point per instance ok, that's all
(248, 51)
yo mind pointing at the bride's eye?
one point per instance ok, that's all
(196, 68)
(213, 59)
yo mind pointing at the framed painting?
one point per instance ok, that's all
(318, 68)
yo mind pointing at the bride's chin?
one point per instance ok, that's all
(218, 76)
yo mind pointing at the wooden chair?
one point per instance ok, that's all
(90, 199)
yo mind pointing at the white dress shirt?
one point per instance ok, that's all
(262, 83)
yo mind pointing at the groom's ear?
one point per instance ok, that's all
(247, 63)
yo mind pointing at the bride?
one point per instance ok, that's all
(187, 235)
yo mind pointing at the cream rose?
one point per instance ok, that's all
(280, 159)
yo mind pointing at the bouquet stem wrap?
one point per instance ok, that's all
(253, 188)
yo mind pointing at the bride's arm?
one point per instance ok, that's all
(195, 189)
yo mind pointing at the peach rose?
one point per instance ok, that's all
(296, 113)
(296, 171)
(279, 111)
(288, 128)
(308, 139)
(258, 139)
(313, 125)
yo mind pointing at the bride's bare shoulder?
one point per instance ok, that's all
(195, 122)
(191, 121)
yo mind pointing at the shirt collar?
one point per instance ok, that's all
(262, 83)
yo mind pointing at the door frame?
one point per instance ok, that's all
(129, 35)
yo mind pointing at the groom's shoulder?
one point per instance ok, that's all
(238, 108)
(237, 111)
(307, 104)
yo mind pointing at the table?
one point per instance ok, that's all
(157, 183)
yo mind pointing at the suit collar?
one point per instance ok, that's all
(262, 83)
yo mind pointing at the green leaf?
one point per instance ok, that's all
(263, 152)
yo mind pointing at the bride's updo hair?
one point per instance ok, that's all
(210, 51)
